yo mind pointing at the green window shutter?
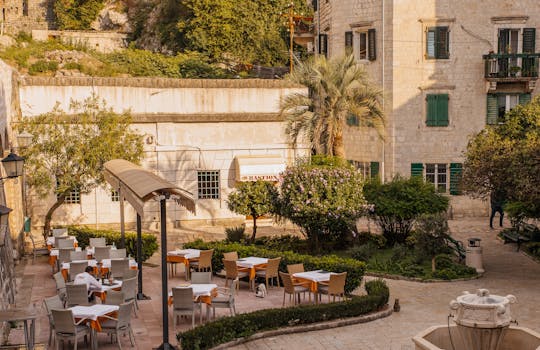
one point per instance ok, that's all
(442, 110)
(456, 170)
(372, 45)
(492, 109)
(417, 169)
(529, 40)
(524, 99)
(431, 117)
(348, 40)
(442, 36)
(323, 44)
(503, 40)
(374, 169)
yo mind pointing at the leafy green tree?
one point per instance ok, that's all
(431, 236)
(243, 31)
(507, 157)
(68, 150)
(398, 203)
(76, 14)
(338, 89)
(255, 198)
(325, 201)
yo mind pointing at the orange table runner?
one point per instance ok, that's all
(312, 285)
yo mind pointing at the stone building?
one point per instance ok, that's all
(448, 69)
(25, 15)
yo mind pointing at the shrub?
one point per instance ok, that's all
(365, 237)
(235, 234)
(443, 261)
(431, 237)
(195, 68)
(399, 202)
(355, 269)
(243, 325)
(283, 242)
(364, 252)
(72, 65)
(149, 241)
(43, 66)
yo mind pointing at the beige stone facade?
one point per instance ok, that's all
(191, 128)
(411, 72)
(25, 15)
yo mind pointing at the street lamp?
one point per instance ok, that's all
(13, 165)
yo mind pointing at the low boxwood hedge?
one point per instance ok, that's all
(149, 241)
(230, 328)
(354, 268)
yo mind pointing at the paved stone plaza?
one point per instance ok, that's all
(422, 304)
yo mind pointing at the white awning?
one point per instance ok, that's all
(260, 167)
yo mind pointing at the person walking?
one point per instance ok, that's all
(497, 199)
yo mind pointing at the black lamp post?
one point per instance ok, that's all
(13, 165)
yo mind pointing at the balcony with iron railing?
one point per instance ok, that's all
(511, 67)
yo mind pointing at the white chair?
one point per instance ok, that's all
(118, 253)
(225, 298)
(101, 253)
(65, 243)
(183, 305)
(115, 297)
(76, 268)
(98, 242)
(201, 277)
(75, 255)
(52, 303)
(120, 325)
(77, 294)
(129, 288)
(65, 327)
(118, 267)
(59, 232)
(60, 285)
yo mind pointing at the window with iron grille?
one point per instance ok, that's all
(73, 197)
(437, 175)
(208, 184)
(437, 43)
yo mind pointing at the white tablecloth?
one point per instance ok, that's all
(93, 312)
(187, 253)
(198, 289)
(92, 262)
(315, 276)
(251, 261)
(106, 288)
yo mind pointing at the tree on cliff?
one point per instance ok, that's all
(339, 90)
(68, 150)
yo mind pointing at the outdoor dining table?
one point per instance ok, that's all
(94, 314)
(202, 293)
(252, 263)
(183, 256)
(50, 242)
(24, 315)
(313, 278)
(102, 292)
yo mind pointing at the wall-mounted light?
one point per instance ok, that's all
(13, 165)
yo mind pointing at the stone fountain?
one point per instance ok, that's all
(482, 322)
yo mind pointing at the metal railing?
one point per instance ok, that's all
(511, 65)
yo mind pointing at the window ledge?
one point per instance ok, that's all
(436, 20)
(436, 87)
(509, 19)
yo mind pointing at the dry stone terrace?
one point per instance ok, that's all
(422, 304)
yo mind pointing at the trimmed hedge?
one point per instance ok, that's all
(149, 241)
(230, 328)
(354, 268)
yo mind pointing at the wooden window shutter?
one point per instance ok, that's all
(431, 112)
(374, 169)
(442, 35)
(524, 99)
(442, 110)
(348, 40)
(529, 40)
(417, 169)
(372, 45)
(456, 169)
(492, 109)
(503, 40)
(314, 4)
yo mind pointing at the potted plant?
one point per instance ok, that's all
(514, 70)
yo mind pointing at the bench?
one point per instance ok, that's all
(523, 234)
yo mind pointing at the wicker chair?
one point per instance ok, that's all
(74, 255)
(101, 253)
(205, 261)
(77, 294)
(291, 289)
(76, 268)
(52, 303)
(120, 325)
(270, 271)
(59, 232)
(64, 242)
(230, 256)
(118, 253)
(115, 297)
(225, 298)
(201, 277)
(64, 255)
(233, 272)
(60, 285)
(335, 287)
(129, 288)
(66, 328)
(98, 242)
(183, 305)
(118, 268)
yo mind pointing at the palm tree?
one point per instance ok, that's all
(338, 88)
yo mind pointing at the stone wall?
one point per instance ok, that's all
(25, 15)
(96, 40)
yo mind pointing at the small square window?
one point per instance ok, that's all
(208, 184)
(437, 175)
(437, 43)
(115, 196)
